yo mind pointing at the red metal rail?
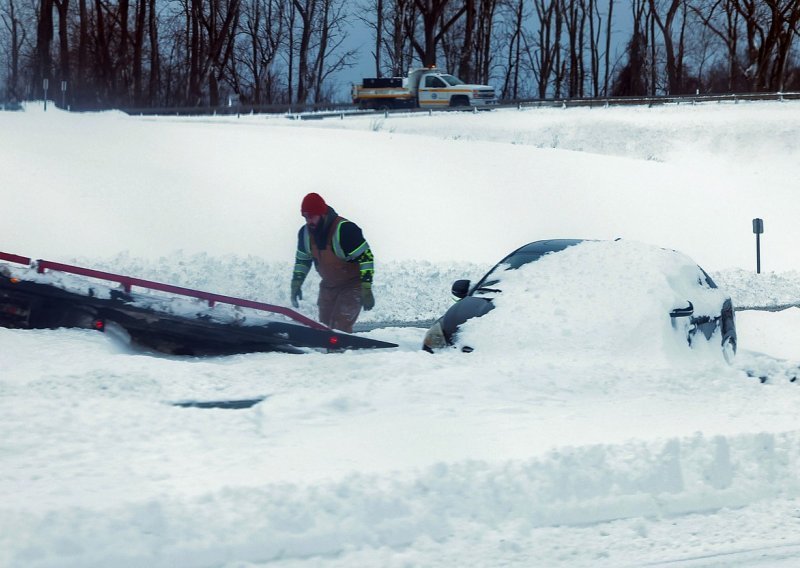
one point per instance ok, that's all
(128, 282)
(15, 258)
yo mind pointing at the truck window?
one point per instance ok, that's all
(434, 82)
(453, 80)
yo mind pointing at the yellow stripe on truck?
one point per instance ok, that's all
(447, 90)
(383, 96)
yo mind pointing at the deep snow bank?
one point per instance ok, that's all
(726, 131)
(571, 486)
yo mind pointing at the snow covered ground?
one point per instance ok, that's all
(514, 455)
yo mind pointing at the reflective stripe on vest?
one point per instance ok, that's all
(336, 244)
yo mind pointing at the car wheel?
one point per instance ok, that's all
(729, 349)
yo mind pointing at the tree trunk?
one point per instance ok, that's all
(483, 53)
(607, 71)
(465, 67)
(17, 39)
(319, 66)
(63, 42)
(378, 36)
(433, 28)
(103, 64)
(44, 37)
(138, 48)
(155, 62)
(81, 81)
(124, 35)
(665, 24)
(306, 12)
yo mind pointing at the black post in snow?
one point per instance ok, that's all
(758, 228)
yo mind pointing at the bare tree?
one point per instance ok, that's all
(17, 34)
(103, 72)
(394, 23)
(467, 57)
(674, 47)
(62, 7)
(399, 41)
(307, 11)
(434, 26)
(138, 50)
(265, 27)
(607, 70)
(155, 57)
(575, 20)
(213, 27)
(378, 36)
(595, 21)
(545, 52)
(179, 52)
(631, 80)
(322, 32)
(332, 36)
(484, 51)
(511, 78)
(723, 20)
(43, 67)
(771, 26)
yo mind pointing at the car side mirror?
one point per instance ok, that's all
(460, 288)
(682, 312)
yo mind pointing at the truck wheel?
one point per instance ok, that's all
(459, 101)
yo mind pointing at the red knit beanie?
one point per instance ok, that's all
(313, 204)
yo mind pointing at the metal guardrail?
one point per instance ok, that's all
(343, 109)
(327, 110)
(656, 100)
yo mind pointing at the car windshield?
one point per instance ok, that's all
(520, 257)
(452, 80)
(512, 262)
(493, 277)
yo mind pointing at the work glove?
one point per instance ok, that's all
(367, 299)
(297, 293)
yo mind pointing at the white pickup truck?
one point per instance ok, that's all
(423, 88)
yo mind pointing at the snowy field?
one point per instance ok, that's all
(537, 450)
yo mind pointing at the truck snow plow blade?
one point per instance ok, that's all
(44, 295)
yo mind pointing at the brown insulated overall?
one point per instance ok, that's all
(340, 289)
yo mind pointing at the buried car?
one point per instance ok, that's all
(591, 294)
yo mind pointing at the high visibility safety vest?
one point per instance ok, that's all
(356, 264)
(336, 242)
